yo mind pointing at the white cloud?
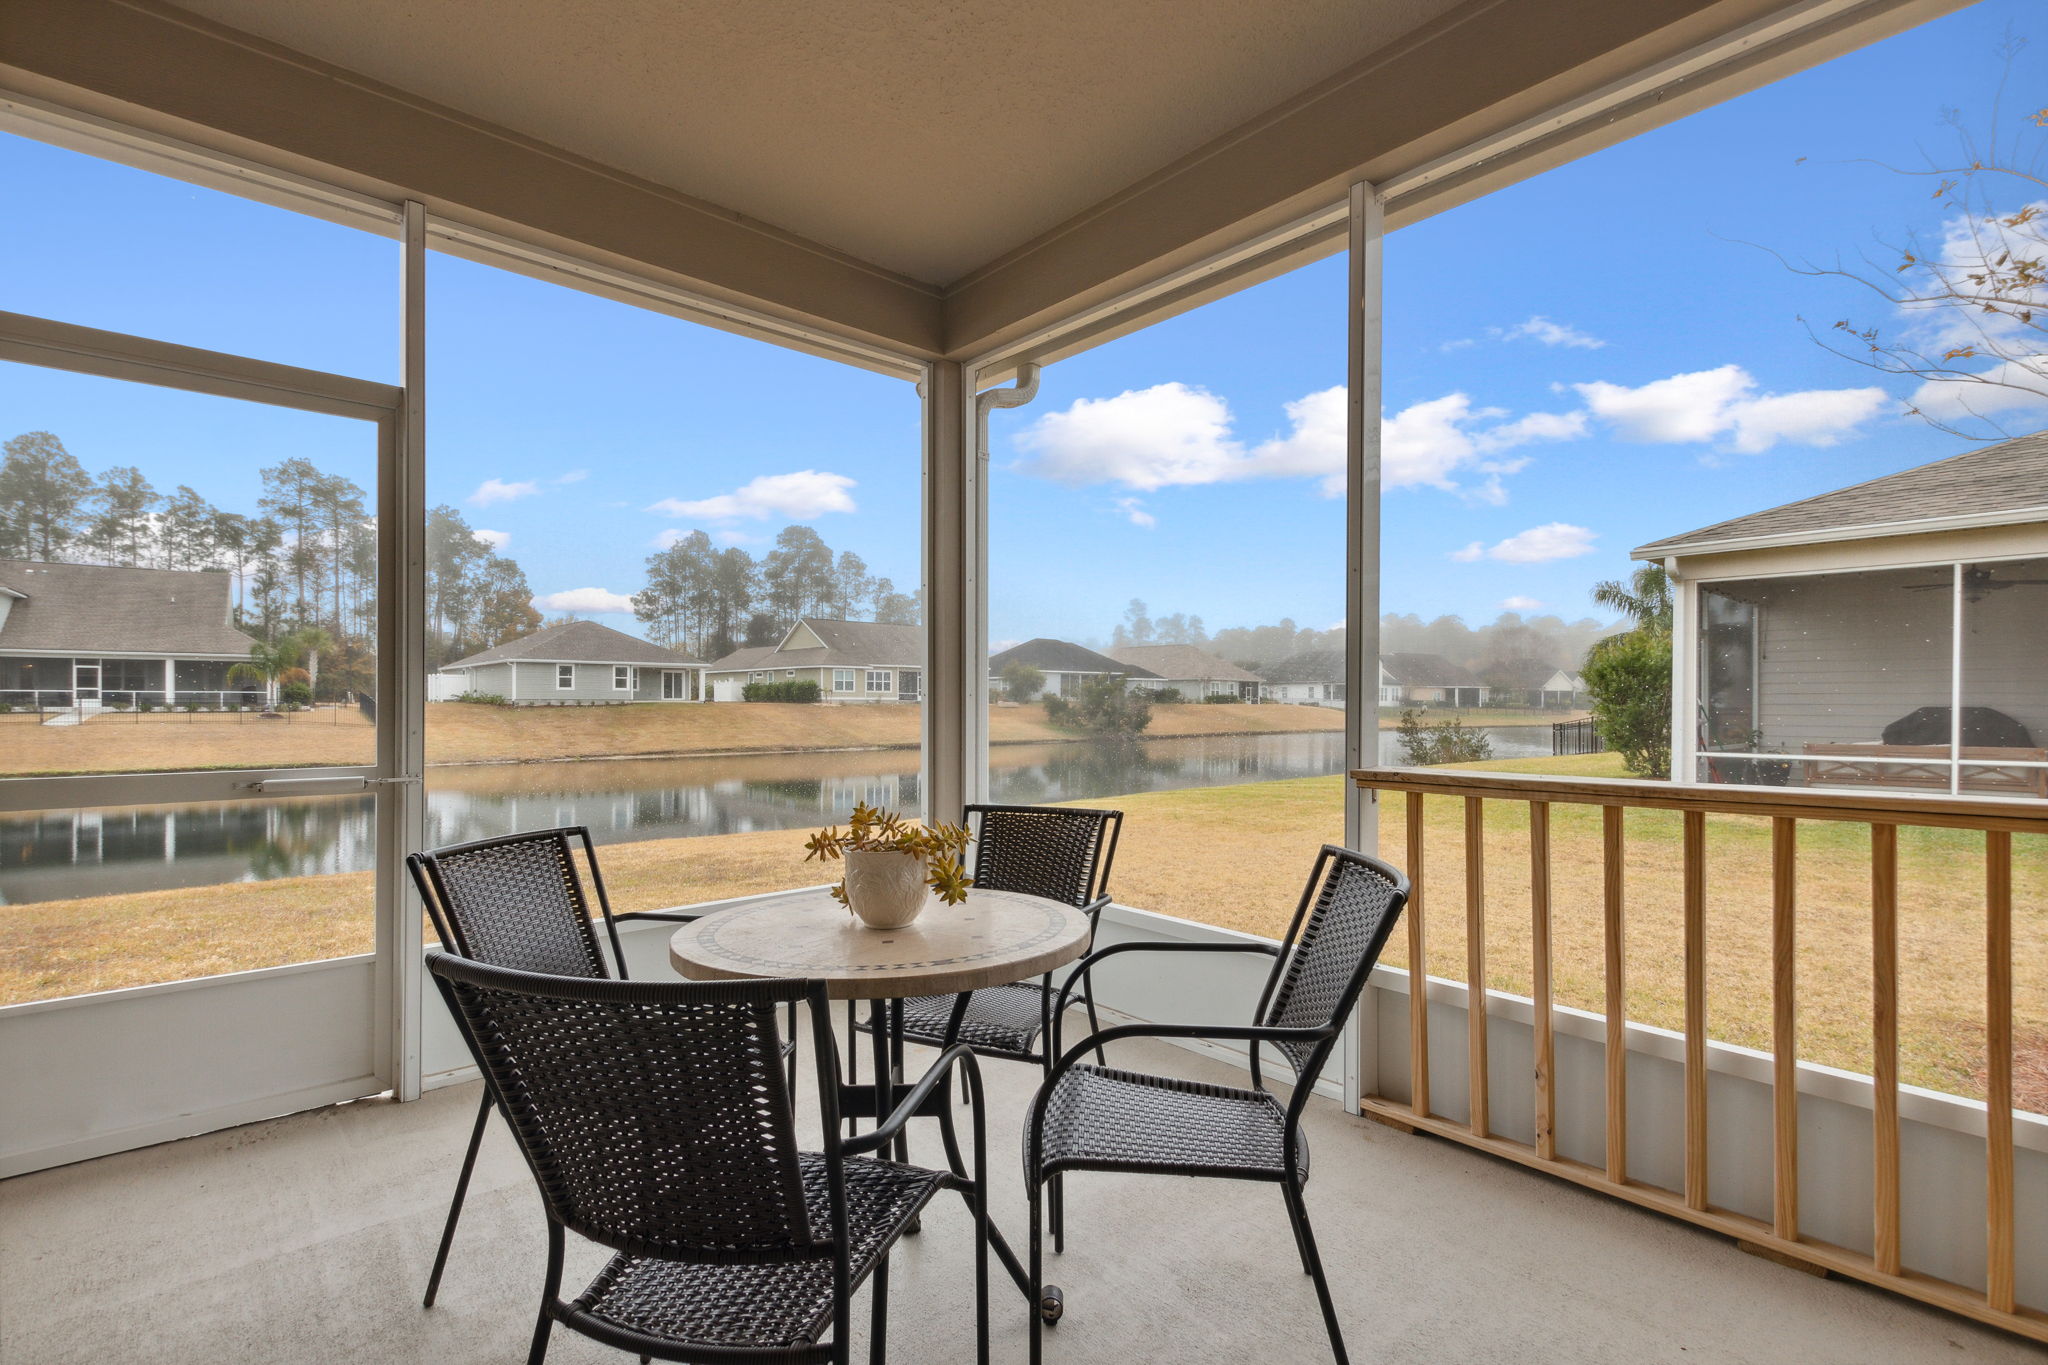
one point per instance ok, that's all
(497, 490)
(735, 538)
(584, 601)
(1177, 435)
(1458, 344)
(1540, 328)
(2009, 386)
(495, 539)
(1541, 544)
(1537, 545)
(1169, 434)
(573, 476)
(1721, 403)
(799, 496)
(1135, 512)
(1521, 604)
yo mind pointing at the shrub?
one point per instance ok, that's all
(6, 708)
(1168, 696)
(295, 695)
(1022, 681)
(1446, 741)
(792, 689)
(480, 698)
(144, 704)
(1221, 698)
(189, 707)
(1101, 706)
(1629, 677)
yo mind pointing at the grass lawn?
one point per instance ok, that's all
(1235, 856)
(461, 733)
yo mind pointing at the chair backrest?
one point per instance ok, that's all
(1347, 910)
(518, 901)
(1058, 852)
(655, 1115)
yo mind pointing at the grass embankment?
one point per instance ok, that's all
(1235, 856)
(461, 733)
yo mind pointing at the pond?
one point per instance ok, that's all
(46, 855)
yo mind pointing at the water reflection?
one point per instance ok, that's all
(54, 854)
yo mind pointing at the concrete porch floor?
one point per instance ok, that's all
(308, 1238)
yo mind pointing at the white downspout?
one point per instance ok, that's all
(1022, 392)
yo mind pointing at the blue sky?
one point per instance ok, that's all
(1535, 341)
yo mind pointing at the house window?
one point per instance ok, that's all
(881, 680)
(842, 680)
(565, 676)
(622, 678)
(912, 683)
(789, 673)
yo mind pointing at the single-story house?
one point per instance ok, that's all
(580, 663)
(1194, 673)
(91, 636)
(848, 660)
(1312, 679)
(1429, 680)
(1065, 666)
(1885, 635)
(1530, 682)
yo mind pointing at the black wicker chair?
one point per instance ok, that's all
(1092, 1118)
(658, 1122)
(1057, 852)
(518, 901)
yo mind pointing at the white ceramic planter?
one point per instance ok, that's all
(886, 890)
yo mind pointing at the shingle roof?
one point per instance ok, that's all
(88, 608)
(1316, 666)
(1523, 673)
(1063, 657)
(1426, 670)
(578, 642)
(1181, 661)
(848, 644)
(2007, 482)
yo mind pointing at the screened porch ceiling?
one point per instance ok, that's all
(938, 178)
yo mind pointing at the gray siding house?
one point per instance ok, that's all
(1429, 680)
(1065, 666)
(848, 660)
(578, 664)
(1892, 634)
(94, 635)
(1196, 673)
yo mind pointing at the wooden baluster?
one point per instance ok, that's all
(1998, 1066)
(1617, 995)
(1418, 968)
(1884, 1016)
(1475, 962)
(1696, 1009)
(1539, 947)
(1784, 1030)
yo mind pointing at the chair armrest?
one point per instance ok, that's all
(1247, 1033)
(670, 916)
(907, 1107)
(1088, 963)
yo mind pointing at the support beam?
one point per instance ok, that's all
(1362, 308)
(955, 711)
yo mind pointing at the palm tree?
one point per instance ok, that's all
(311, 641)
(1645, 598)
(270, 665)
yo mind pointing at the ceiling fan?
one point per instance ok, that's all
(1978, 584)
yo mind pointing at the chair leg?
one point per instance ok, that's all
(1094, 1024)
(1059, 1214)
(537, 1354)
(476, 1138)
(1300, 1247)
(1037, 1270)
(791, 1062)
(852, 1062)
(1297, 1210)
(878, 1329)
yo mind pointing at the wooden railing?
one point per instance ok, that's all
(1785, 808)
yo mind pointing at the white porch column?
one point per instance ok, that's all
(170, 682)
(955, 709)
(1362, 576)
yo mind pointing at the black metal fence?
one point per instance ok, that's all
(1575, 737)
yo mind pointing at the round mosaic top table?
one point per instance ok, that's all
(995, 938)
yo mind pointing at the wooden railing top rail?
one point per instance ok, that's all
(1804, 803)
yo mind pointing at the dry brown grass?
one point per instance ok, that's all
(460, 733)
(1235, 856)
